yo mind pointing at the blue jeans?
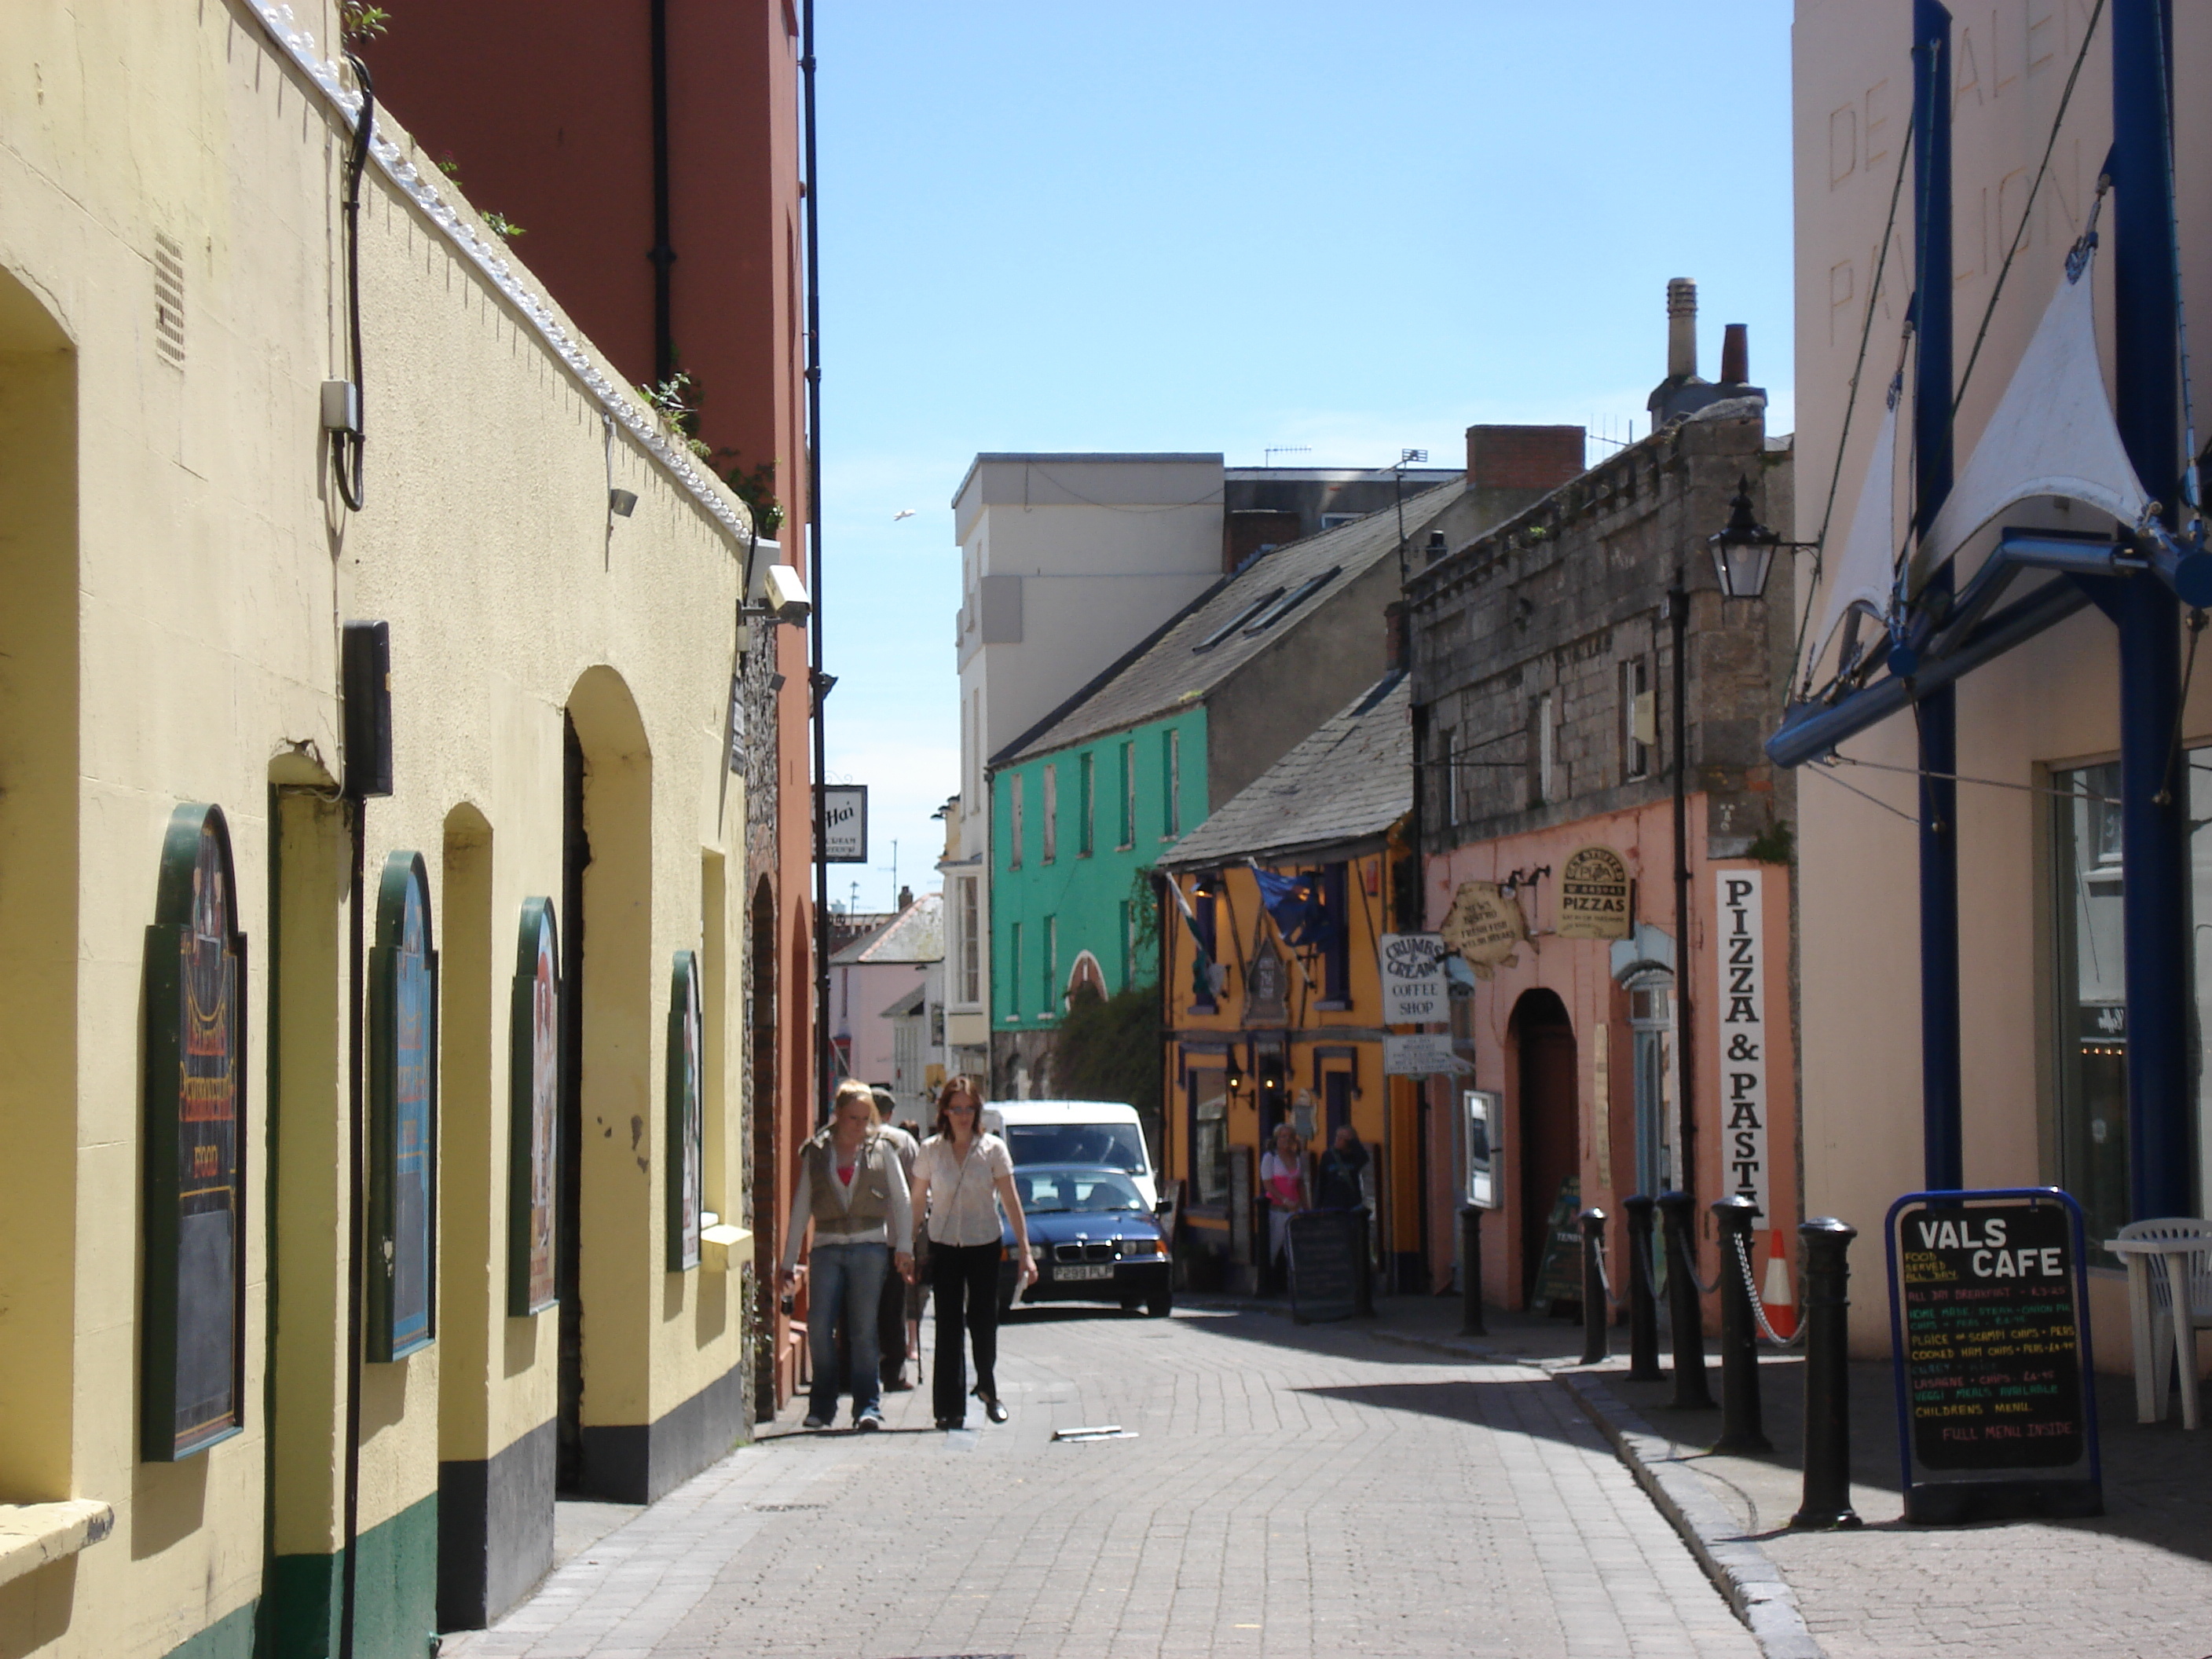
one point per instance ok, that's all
(844, 1283)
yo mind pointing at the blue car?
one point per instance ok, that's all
(1094, 1237)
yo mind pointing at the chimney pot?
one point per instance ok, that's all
(1681, 329)
(1735, 354)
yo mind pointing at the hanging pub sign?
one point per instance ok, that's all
(191, 1355)
(687, 1173)
(844, 822)
(1484, 925)
(1593, 901)
(1740, 962)
(1989, 1301)
(1413, 991)
(402, 1115)
(533, 1108)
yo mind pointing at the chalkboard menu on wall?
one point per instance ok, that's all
(1996, 1412)
(191, 1355)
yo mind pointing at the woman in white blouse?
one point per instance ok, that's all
(961, 1177)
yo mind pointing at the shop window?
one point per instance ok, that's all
(971, 934)
(1014, 822)
(1086, 779)
(1209, 1138)
(1651, 1026)
(2091, 1023)
(1128, 753)
(1014, 1003)
(1638, 719)
(1172, 783)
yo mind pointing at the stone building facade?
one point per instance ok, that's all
(1543, 655)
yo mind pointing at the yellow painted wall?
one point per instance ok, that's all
(212, 565)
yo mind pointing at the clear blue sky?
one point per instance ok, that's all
(1218, 225)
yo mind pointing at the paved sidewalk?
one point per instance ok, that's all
(2134, 1584)
(1287, 1491)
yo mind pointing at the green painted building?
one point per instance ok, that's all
(1090, 799)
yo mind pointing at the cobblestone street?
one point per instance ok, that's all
(1286, 1492)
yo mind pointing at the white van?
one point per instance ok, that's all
(1094, 1132)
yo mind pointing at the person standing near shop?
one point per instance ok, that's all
(891, 1343)
(1283, 1177)
(1341, 1166)
(851, 1187)
(962, 1178)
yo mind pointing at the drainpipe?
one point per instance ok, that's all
(818, 684)
(1686, 1176)
(662, 255)
(2154, 806)
(1938, 712)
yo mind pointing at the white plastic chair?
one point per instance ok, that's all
(2169, 1301)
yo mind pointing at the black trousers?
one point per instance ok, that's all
(965, 1281)
(891, 1327)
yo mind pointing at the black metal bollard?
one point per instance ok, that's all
(1827, 1377)
(1470, 1271)
(1686, 1317)
(1642, 1296)
(1742, 1429)
(1595, 1346)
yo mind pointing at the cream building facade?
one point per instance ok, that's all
(2043, 1001)
(181, 570)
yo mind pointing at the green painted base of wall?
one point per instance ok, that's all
(395, 1594)
(230, 1637)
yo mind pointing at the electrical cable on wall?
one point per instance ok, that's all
(348, 438)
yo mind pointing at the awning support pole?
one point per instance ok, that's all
(2154, 905)
(1938, 719)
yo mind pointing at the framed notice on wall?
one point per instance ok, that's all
(193, 1356)
(533, 1072)
(844, 822)
(403, 1115)
(686, 1171)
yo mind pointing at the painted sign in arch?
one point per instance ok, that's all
(192, 1356)
(533, 1071)
(402, 1115)
(1594, 894)
(687, 1174)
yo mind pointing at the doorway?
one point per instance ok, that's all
(1549, 1119)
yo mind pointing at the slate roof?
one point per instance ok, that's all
(1350, 781)
(1164, 672)
(915, 934)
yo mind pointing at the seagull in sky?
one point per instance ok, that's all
(903, 512)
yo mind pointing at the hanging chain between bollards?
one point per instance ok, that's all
(1758, 1307)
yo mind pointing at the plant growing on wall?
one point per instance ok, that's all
(756, 488)
(1109, 1048)
(360, 22)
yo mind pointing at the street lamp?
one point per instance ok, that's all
(1743, 549)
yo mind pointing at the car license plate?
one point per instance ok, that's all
(1102, 1270)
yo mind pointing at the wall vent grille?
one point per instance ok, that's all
(169, 299)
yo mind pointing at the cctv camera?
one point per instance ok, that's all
(786, 595)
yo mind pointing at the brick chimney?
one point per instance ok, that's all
(1539, 458)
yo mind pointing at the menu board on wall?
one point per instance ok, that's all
(191, 1355)
(686, 1140)
(533, 1071)
(1996, 1410)
(402, 1115)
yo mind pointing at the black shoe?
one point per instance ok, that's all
(992, 1408)
(898, 1385)
(951, 1423)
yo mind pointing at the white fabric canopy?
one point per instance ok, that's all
(2053, 434)
(1866, 568)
